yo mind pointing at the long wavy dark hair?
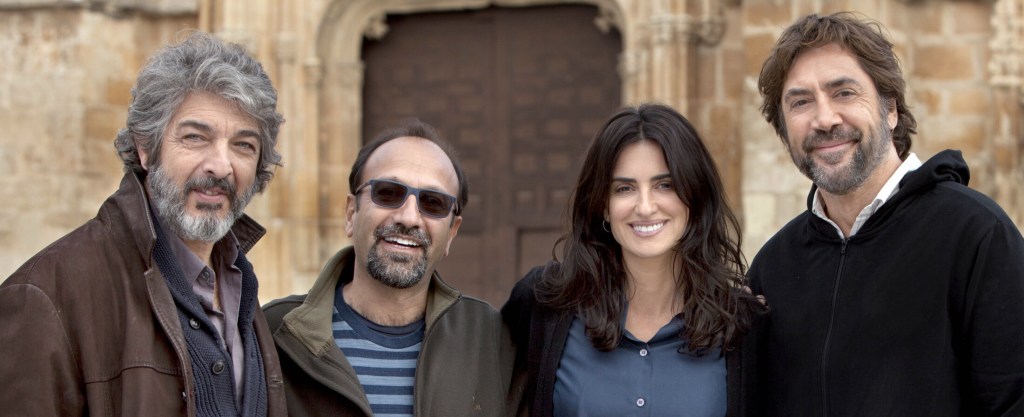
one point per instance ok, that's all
(592, 279)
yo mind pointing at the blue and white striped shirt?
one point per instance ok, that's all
(384, 357)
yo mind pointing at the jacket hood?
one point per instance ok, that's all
(948, 165)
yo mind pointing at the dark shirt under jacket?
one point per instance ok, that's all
(223, 314)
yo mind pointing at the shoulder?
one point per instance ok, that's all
(82, 262)
(475, 306)
(960, 199)
(523, 293)
(796, 229)
(275, 310)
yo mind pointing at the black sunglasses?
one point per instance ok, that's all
(392, 194)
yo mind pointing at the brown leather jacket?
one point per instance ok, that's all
(88, 326)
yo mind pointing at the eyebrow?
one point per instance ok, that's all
(841, 81)
(829, 85)
(654, 178)
(206, 128)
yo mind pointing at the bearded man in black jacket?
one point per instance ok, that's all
(900, 291)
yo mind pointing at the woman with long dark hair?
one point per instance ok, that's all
(644, 311)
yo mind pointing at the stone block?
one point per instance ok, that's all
(949, 61)
(965, 133)
(707, 75)
(102, 123)
(756, 50)
(926, 99)
(925, 20)
(759, 213)
(118, 92)
(970, 17)
(733, 64)
(768, 13)
(975, 101)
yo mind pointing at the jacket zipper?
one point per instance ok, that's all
(828, 333)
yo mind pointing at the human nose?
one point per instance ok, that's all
(408, 214)
(825, 116)
(217, 161)
(645, 205)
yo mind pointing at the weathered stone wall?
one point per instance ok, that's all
(66, 67)
(65, 80)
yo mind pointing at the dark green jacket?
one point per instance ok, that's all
(464, 367)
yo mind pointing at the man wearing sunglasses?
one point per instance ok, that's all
(380, 333)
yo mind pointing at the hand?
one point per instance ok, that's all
(764, 301)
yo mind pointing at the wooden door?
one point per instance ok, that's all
(519, 92)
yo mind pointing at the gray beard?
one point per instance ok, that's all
(397, 270)
(170, 200)
(868, 156)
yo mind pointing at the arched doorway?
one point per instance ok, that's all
(519, 92)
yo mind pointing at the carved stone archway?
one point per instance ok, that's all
(659, 40)
(339, 43)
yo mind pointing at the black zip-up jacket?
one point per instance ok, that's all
(921, 313)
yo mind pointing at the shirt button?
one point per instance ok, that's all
(217, 367)
(192, 322)
(640, 402)
(643, 352)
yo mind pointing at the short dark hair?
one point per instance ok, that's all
(418, 129)
(200, 63)
(861, 37)
(591, 281)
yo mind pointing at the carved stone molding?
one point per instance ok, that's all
(376, 27)
(346, 75)
(707, 29)
(607, 18)
(314, 71)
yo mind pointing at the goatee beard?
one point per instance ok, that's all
(868, 155)
(170, 201)
(398, 270)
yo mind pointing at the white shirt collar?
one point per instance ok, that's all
(888, 190)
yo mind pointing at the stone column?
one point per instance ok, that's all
(280, 35)
(1006, 70)
(658, 63)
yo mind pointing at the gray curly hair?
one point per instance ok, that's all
(199, 63)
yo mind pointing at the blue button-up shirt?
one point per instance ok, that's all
(637, 378)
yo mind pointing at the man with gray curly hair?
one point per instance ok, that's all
(150, 308)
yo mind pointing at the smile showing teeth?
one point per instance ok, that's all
(401, 241)
(647, 228)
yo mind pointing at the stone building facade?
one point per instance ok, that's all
(66, 67)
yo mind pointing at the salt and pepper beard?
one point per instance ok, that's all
(397, 270)
(867, 157)
(170, 200)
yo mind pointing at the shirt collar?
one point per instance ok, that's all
(888, 190)
(225, 251)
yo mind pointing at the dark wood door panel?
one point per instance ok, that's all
(519, 92)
